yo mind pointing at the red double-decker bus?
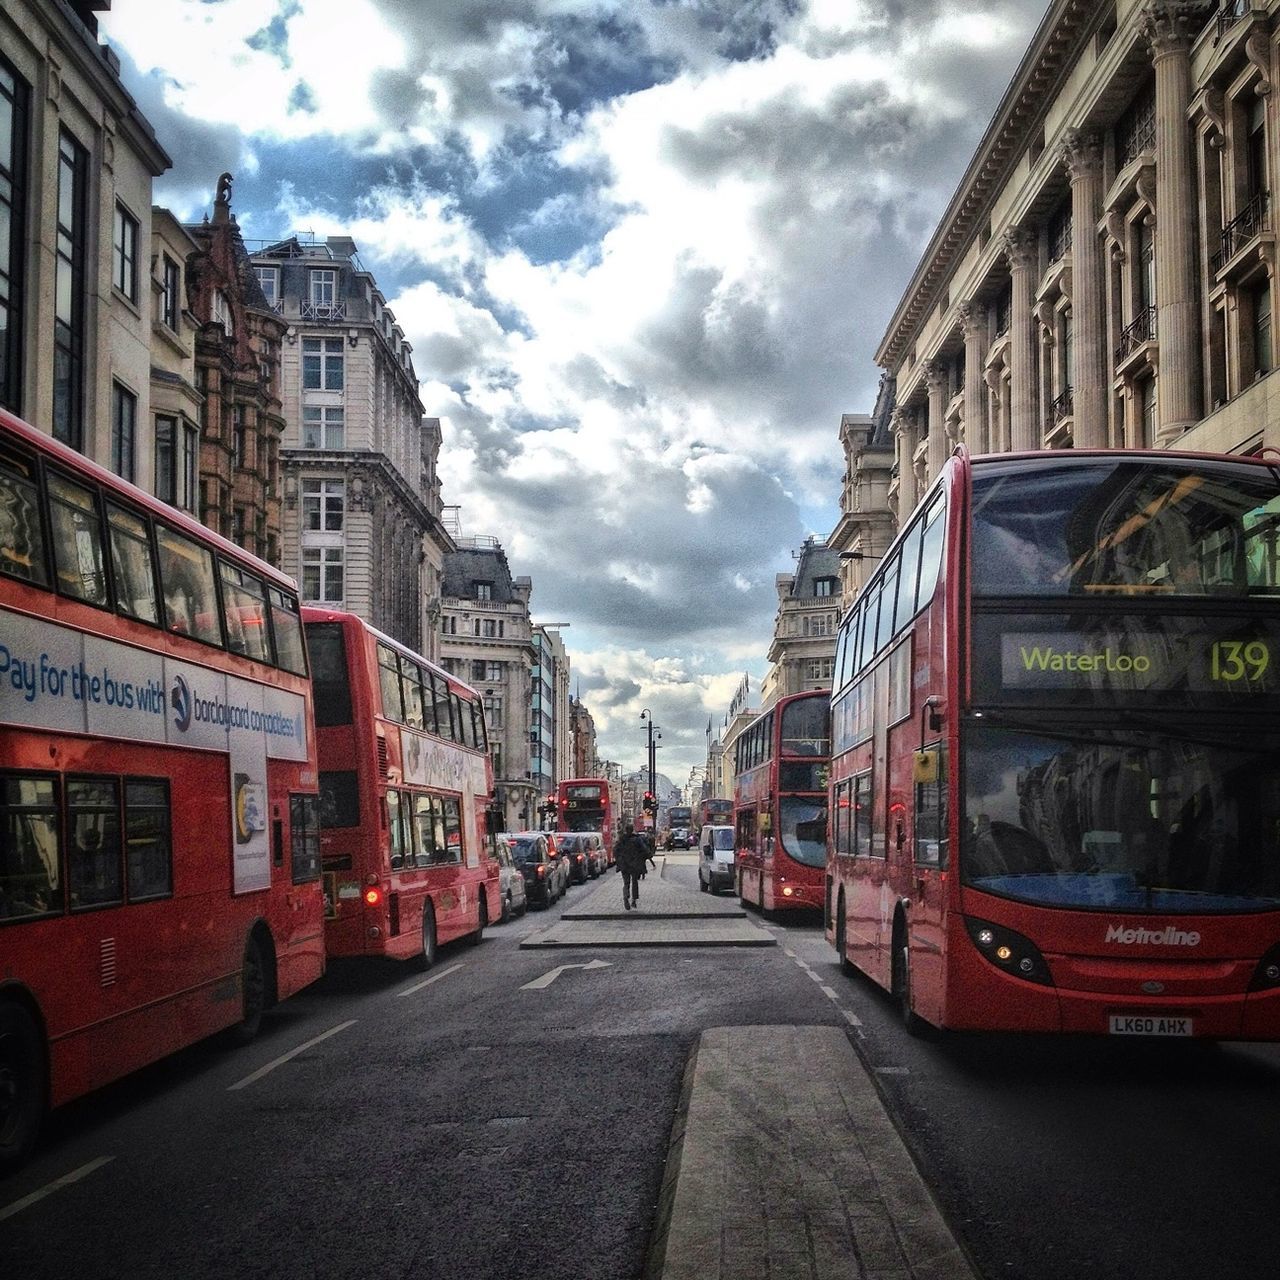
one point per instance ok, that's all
(1056, 780)
(780, 803)
(405, 785)
(714, 813)
(159, 850)
(586, 804)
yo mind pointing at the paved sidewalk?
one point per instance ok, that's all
(669, 915)
(785, 1165)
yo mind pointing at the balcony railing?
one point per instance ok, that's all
(1229, 15)
(1245, 226)
(323, 311)
(1062, 407)
(1141, 329)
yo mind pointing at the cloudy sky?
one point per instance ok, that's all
(644, 251)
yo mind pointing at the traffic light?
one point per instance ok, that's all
(650, 802)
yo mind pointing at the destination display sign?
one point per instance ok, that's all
(1043, 659)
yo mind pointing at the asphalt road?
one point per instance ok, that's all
(455, 1124)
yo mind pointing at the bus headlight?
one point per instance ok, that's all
(1009, 951)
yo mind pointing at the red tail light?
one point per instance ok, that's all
(373, 896)
(542, 871)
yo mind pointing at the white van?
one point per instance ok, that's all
(715, 859)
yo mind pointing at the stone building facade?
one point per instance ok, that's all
(804, 628)
(1104, 274)
(549, 756)
(362, 510)
(486, 639)
(77, 162)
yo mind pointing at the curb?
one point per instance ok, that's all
(656, 1255)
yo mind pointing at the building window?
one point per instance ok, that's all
(1147, 407)
(322, 427)
(484, 590)
(322, 574)
(237, 526)
(68, 311)
(269, 280)
(239, 436)
(1262, 356)
(324, 287)
(124, 422)
(819, 668)
(496, 752)
(322, 364)
(323, 503)
(495, 671)
(824, 586)
(124, 260)
(170, 299)
(177, 455)
(222, 313)
(13, 203)
(1256, 148)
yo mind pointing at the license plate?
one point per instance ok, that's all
(1144, 1024)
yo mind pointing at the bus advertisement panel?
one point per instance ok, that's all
(406, 782)
(159, 844)
(780, 803)
(1054, 786)
(586, 804)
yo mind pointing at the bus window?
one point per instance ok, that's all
(22, 550)
(889, 593)
(245, 613)
(443, 708)
(862, 815)
(148, 846)
(135, 579)
(461, 723)
(304, 828)
(931, 550)
(424, 820)
(286, 627)
(389, 682)
(329, 673)
(187, 582)
(93, 858)
(870, 612)
(452, 847)
(77, 541)
(30, 884)
(411, 692)
(909, 579)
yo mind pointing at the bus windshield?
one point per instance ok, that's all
(802, 828)
(806, 727)
(1141, 820)
(1100, 526)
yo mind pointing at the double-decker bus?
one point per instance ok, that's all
(586, 804)
(1056, 779)
(780, 803)
(159, 850)
(405, 785)
(714, 813)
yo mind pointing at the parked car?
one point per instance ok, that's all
(561, 859)
(574, 845)
(715, 860)
(538, 866)
(515, 901)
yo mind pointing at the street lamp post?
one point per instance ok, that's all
(647, 716)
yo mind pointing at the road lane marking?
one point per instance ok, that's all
(893, 1071)
(284, 1057)
(786, 951)
(542, 983)
(851, 1018)
(426, 982)
(826, 991)
(56, 1185)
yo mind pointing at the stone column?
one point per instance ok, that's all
(935, 373)
(973, 323)
(1169, 27)
(904, 444)
(1083, 155)
(1020, 245)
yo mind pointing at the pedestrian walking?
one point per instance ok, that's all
(630, 853)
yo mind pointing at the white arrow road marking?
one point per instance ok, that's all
(542, 983)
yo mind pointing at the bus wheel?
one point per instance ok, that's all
(846, 965)
(23, 1087)
(427, 957)
(253, 992)
(482, 921)
(915, 1025)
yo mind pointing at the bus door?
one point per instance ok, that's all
(925, 859)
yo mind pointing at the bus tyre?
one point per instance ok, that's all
(915, 1025)
(253, 992)
(427, 956)
(846, 965)
(482, 920)
(23, 1084)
